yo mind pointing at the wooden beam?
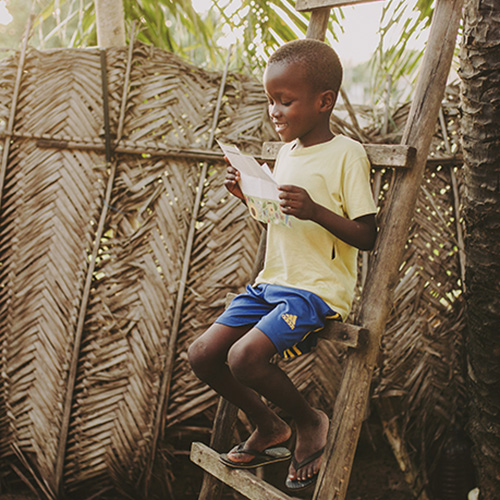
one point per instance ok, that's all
(380, 155)
(376, 301)
(240, 480)
(305, 5)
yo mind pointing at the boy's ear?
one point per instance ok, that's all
(328, 98)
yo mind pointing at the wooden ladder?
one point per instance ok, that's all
(363, 341)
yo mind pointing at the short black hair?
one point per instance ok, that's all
(319, 60)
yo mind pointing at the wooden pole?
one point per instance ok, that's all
(376, 300)
(318, 24)
(110, 23)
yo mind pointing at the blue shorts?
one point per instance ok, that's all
(288, 316)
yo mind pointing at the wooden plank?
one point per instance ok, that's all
(380, 155)
(304, 5)
(240, 480)
(343, 333)
(376, 300)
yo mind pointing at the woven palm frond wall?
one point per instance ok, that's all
(118, 244)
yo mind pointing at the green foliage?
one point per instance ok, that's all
(401, 23)
(203, 38)
(256, 28)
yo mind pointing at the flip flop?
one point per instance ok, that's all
(297, 484)
(268, 456)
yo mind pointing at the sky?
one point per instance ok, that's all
(360, 37)
(5, 17)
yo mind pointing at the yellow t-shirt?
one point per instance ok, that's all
(336, 174)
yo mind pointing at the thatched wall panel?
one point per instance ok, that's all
(222, 261)
(50, 229)
(52, 203)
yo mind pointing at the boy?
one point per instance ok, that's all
(309, 272)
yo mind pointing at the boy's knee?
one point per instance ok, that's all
(197, 356)
(243, 363)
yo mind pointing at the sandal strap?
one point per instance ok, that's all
(298, 465)
(248, 451)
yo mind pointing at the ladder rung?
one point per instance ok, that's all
(343, 333)
(380, 155)
(334, 331)
(240, 480)
(303, 5)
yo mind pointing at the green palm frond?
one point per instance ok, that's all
(401, 24)
(258, 26)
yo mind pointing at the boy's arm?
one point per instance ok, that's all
(360, 233)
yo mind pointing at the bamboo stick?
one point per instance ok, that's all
(380, 155)
(170, 354)
(377, 294)
(13, 108)
(243, 481)
(110, 20)
(456, 202)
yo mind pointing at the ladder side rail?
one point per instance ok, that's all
(387, 255)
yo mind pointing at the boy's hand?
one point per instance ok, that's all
(296, 201)
(232, 182)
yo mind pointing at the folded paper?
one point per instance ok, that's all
(258, 186)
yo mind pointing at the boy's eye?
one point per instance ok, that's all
(286, 103)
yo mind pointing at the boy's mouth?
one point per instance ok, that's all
(279, 127)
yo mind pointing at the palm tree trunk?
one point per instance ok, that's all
(110, 23)
(480, 72)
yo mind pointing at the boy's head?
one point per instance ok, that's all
(302, 80)
(319, 61)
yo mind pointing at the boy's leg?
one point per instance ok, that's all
(208, 358)
(249, 361)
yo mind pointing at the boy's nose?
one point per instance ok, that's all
(274, 110)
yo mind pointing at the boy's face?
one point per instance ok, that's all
(296, 109)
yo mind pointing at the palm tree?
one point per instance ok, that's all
(481, 147)
(110, 23)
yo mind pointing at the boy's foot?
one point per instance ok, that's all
(311, 441)
(270, 455)
(260, 442)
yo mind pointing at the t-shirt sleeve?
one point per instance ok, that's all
(356, 187)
